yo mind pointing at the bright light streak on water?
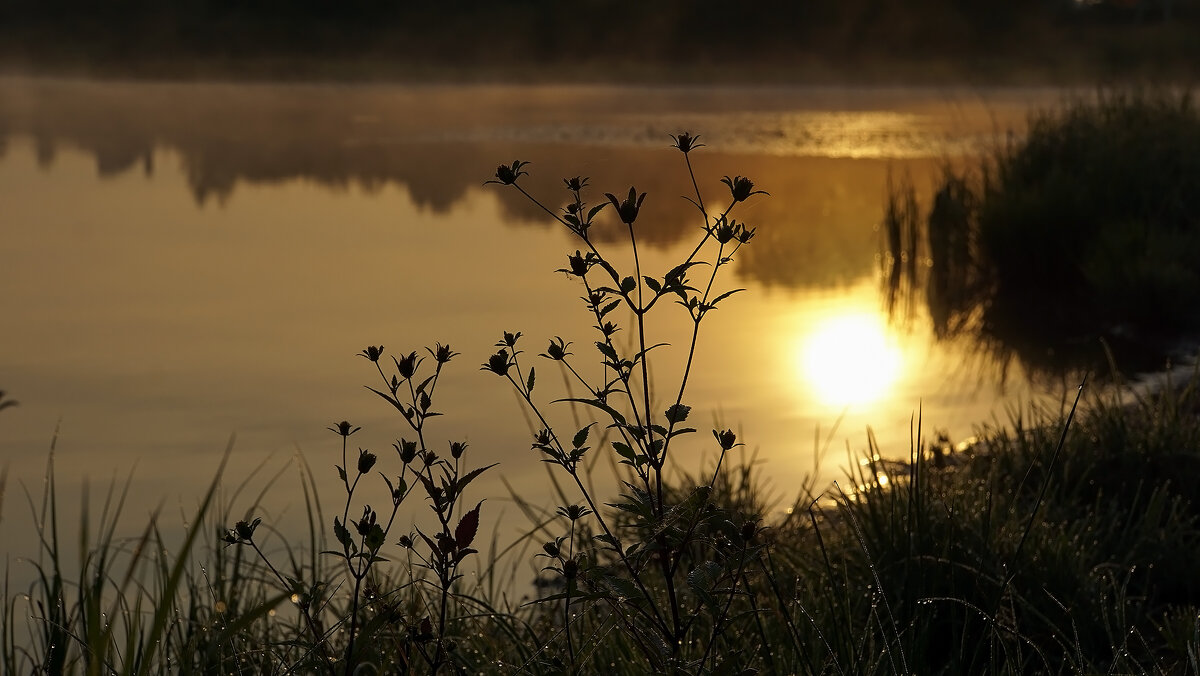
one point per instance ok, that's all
(849, 359)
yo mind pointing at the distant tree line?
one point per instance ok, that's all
(459, 33)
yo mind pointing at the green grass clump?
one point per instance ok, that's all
(1030, 552)
(1087, 228)
(1055, 544)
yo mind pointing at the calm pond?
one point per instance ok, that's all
(185, 262)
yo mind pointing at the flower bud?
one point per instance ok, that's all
(407, 450)
(245, 530)
(366, 460)
(748, 530)
(408, 365)
(627, 208)
(579, 264)
(442, 353)
(686, 143)
(741, 188)
(343, 429)
(508, 174)
(498, 363)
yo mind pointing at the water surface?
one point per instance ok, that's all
(183, 263)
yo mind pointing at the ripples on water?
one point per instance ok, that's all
(853, 135)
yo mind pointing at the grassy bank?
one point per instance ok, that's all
(1015, 556)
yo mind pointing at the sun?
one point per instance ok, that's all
(849, 359)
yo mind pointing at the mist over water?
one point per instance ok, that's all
(186, 262)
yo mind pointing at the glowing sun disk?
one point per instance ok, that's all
(848, 359)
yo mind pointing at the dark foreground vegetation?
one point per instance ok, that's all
(1063, 542)
(664, 41)
(1082, 237)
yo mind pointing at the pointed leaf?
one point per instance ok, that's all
(581, 436)
(622, 587)
(722, 297)
(529, 384)
(614, 413)
(390, 400)
(425, 383)
(703, 580)
(374, 539)
(341, 533)
(428, 541)
(652, 283)
(639, 355)
(468, 525)
(677, 272)
(609, 308)
(623, 450)
(430, 488)
(607, 350)
(470, 476)
(612, 272)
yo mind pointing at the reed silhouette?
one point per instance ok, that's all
(1071, 245)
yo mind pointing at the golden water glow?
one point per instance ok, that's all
(848, 359)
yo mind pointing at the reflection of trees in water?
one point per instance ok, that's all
(815, 229)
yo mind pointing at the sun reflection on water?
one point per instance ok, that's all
(849, 359)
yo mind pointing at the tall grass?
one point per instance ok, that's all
(1085, 230)
(1053, 544)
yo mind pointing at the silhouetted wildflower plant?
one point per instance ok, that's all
(420, 628)
(664, 570)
